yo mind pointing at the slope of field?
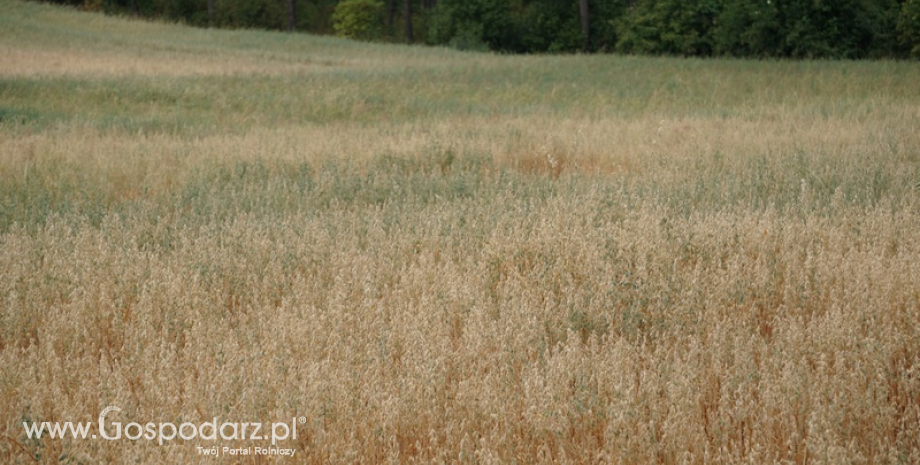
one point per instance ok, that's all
(433, 256)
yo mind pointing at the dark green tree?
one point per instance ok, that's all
(908, 28)
(672, 27)
(741, 28)
(358, 19)
(748, 28)
(475, 24)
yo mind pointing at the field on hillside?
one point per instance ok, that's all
(417, 255)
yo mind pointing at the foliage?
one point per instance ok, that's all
(468, 24)
(908, 28)
(358, 19)
(246, 13)
(814, 29)
(737, 28)
(672, 27)
(552, 26)
(747, 28)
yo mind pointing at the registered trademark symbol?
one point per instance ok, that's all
(302, 420)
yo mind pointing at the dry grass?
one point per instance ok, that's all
(439, 257)
(36, 61)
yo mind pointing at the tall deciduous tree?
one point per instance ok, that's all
(407, 10)
(743, 28)
(358, 19)
(908, 27)
(391, 14)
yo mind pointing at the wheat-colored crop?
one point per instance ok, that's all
(444, 257)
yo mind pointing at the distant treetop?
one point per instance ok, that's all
(738, 28)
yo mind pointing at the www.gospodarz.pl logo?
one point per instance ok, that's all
(163, 432)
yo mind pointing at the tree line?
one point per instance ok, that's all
(738, 28)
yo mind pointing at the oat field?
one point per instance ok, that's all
(427, 256)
